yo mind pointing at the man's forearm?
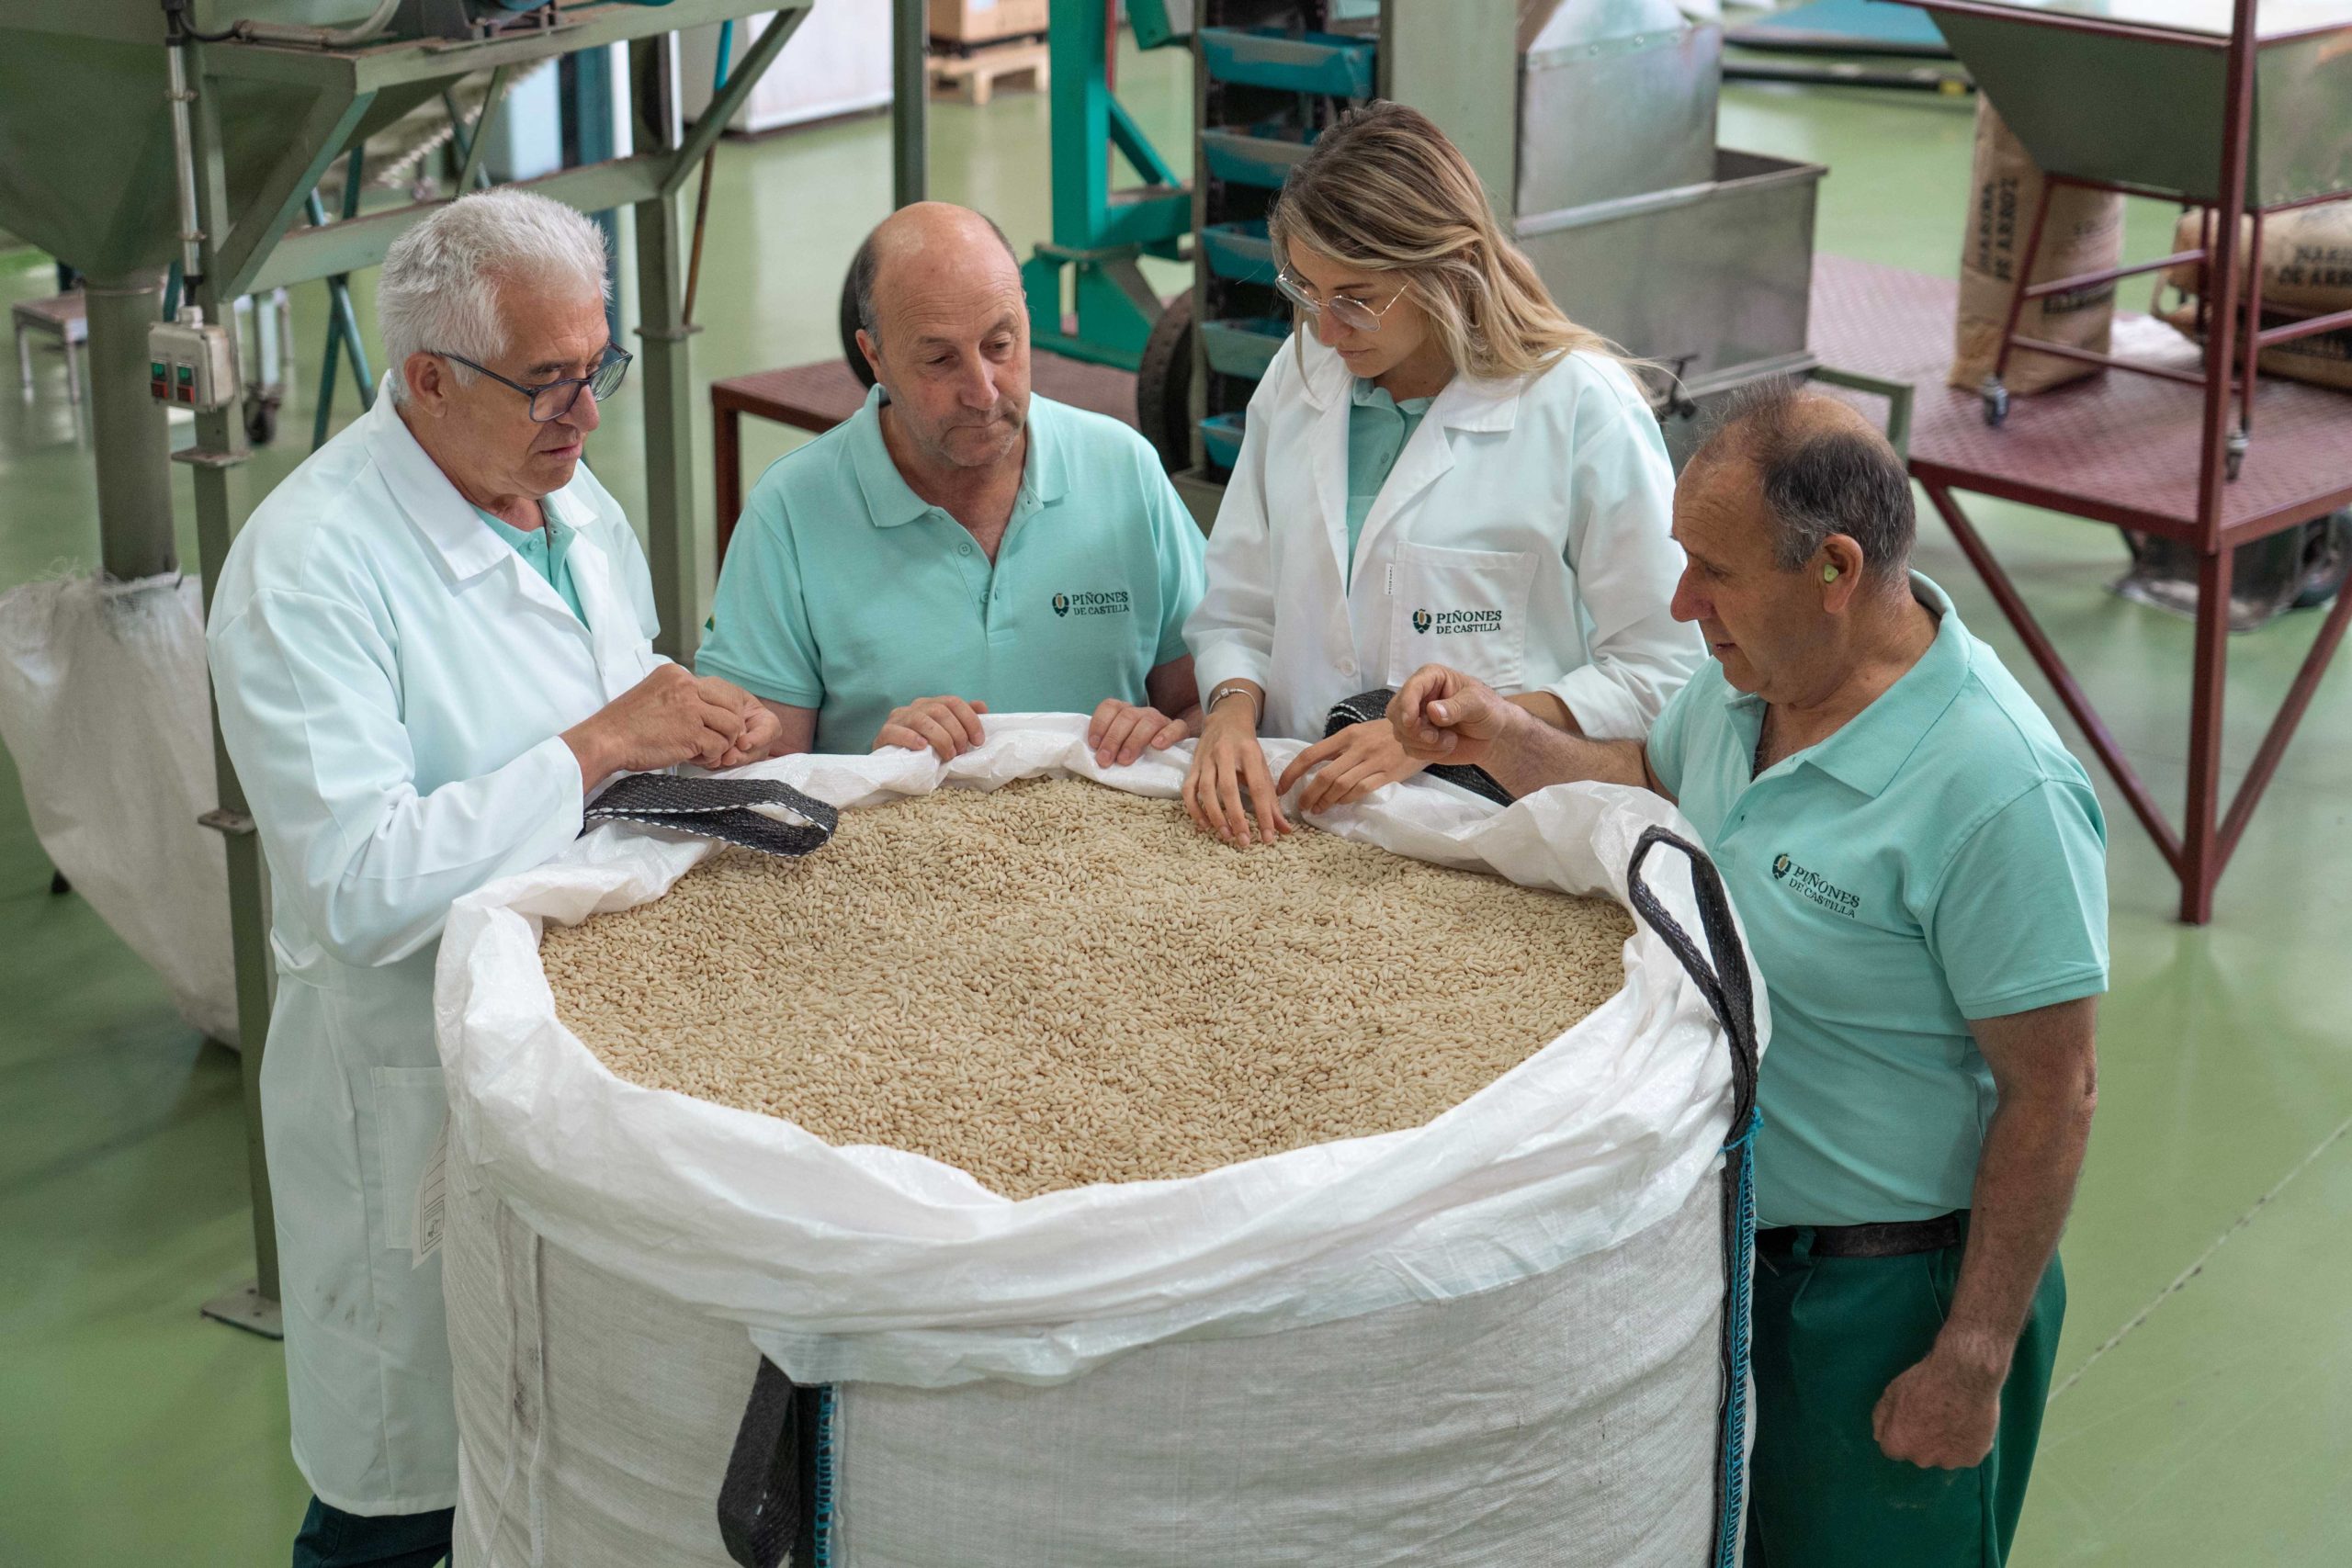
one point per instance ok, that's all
(1531, 755)
(2025, 1185)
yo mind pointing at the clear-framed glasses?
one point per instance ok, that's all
(1349, 311)
(552, 399)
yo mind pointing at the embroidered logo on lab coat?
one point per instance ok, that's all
(1458, 623)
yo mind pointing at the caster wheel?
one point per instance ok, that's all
(2234, 461)
(1164, 386)
(58, 886)
(1996, 404)
(261, 422)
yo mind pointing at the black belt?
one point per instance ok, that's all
(1898, 1239)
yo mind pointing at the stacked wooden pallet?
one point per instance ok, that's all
(977, 44)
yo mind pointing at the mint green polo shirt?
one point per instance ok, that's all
(1940, 858)
(845, 591)
(1378, 427)
(545, 549)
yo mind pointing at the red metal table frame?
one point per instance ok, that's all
(2123, 450)
(817, 397)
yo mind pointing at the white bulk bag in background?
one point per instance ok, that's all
(104, 705)
(1495, 1338)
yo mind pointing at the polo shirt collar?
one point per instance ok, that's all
(890, 500)
(1873, 746)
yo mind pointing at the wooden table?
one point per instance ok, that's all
(819, 397)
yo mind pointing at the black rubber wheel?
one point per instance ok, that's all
(850, 351)
(58, 884)
(1164, 386)
(261, 421)
(2327, 560)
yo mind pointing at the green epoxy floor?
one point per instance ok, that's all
(2204, 1405)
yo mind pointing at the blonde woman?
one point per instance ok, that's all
(1447, 469)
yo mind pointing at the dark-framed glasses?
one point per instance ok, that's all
(1348, 310)
(552, 399)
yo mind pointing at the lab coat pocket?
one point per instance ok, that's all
(401, 1118)
(1466, 609)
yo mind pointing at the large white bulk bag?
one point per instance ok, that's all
(105, 706)
(1498, 1339)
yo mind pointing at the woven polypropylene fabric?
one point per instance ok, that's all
(1567, 1421)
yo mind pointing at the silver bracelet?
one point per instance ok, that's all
(1224, 689)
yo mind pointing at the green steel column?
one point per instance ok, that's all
(1080, 97)
(216, 449)
(128, 429)
(677, 549)
(910, 103)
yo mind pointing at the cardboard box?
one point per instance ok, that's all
(985, 21)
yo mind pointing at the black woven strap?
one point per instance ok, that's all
(765, 1512)
(1366, 707)
(717, 809)
(1721, 975)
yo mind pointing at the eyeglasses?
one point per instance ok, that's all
(553, 400)
(1346, 310)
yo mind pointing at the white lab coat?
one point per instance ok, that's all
(393, 681)
(1521, 537)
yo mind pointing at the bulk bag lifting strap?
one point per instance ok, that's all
(770, 1503)
(1725, 984)
(776, 1499)
(718, 809)
(1370, 708)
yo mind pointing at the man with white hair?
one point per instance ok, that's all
(430, 645)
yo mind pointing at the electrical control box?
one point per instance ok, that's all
(192, 365)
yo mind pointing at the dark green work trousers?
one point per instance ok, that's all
(1831, 1333)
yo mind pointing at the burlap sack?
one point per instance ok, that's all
(2083, 233)
(2324, 359)
(2306, 256)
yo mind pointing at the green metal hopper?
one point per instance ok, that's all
(85, 142)
(2133, 92)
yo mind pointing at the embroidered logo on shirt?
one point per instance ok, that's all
(1457, 623)
(1112, 603)
(1816, 887)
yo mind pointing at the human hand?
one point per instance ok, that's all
(664, 719)
(761, 726)
(1352, 763)
(948, 727)
(1228, 762)
(1939, 1414)
(1120, 732)
(1444, 716)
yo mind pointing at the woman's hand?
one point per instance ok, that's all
(1227, 764)
(1352, 763)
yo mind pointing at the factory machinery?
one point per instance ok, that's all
(135, 131)
(1592, 123)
